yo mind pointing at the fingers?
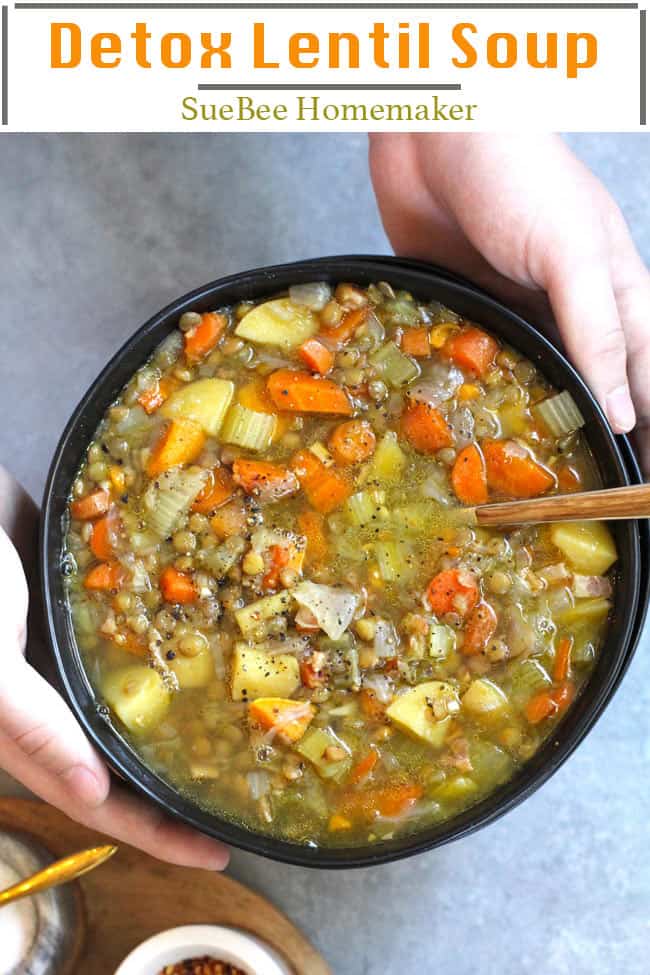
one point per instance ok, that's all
(122, 816)
(584, 304)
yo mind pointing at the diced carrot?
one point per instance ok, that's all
(230, 519)
(105, 577)
(513, 471)
(311, 525)
(468, 391)
(480, 627)
(177, 587)
(181, 442)
(268, 482)
(102, 539)
(471, 349)
(310, 675)
(469, 477)
(155, 395)
(352, 442)
(280, 556)
(425, 428)
(549, 704)
(92, 506)
(254, 396)
(453, 591)
(288, 719)
(390, 801)
(339, 335)
(568, 479)
(218, 489)
(371, 706)
(300, 392)
(202, 338)
(362, 769)
(316, 356)
(415, 342)
(130, 642)
(324, 487)
(562, 662)
(338, 822)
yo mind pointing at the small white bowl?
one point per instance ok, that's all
(195, 940)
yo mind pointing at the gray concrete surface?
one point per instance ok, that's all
(98, 232)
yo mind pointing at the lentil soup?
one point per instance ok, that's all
(271, 583)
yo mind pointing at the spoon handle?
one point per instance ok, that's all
(611, 504)
(59, 872)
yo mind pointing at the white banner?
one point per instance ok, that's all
(359, 67)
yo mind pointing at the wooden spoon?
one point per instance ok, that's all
(612, 504)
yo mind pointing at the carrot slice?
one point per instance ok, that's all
(362, 769)
(562, 662)
(268, 482)
(105, 577)
(180, 443)
(550, 704)
(201, 339)
(415, 342)
(471, 349)
(325, 488)
(288, 719)
(453, 591)
(391, 801)
(468, 476)
(92, 506)
(218, 489)
(480, 627)
(102, 539)
(155, 395)
(339, 335)
(316, 356)
(512, 470)
(425, 428)
(352, 442)
(300, 392)
(177, 587)
(311, 525)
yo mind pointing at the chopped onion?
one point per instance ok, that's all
(385, 639)
(333, 608)
(461, 421)
(258, 784)
(560, 414)
(314, 295)
(439, 383)
(380, 686)
(136, 417)
(437, 487)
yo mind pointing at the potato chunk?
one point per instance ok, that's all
(279, 323)
(415, 712)
(256, 674)
(196, 671)
(588, 545)
(484, 700)
(204, 401)
(138, 697)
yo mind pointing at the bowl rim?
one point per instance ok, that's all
(121, 757)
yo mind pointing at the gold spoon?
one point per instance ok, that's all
(611, 504)
(59, 872)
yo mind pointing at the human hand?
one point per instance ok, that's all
(41, 744)
(523, 218)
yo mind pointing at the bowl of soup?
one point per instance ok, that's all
(266, 603)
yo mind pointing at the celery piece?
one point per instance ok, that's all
(584, 611)
(528, 677)
(392, 560)
(364, 506)
(247, 428)
(168, 499)
(560, 414)
(442, 640)
(279, 322)
(457, 788)
(262, 611)
(319, 450)
(313, 746)
(205, 401)
(396, 368)
(388, 461)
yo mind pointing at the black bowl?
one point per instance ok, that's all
(428, 282)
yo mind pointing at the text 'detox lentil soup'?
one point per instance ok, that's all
(272, 584)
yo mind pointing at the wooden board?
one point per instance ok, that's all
(133, 896)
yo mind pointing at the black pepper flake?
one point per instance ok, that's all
(170, 655)
(124, 498)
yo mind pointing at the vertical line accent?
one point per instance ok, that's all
(642, 68)
(5, 65)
